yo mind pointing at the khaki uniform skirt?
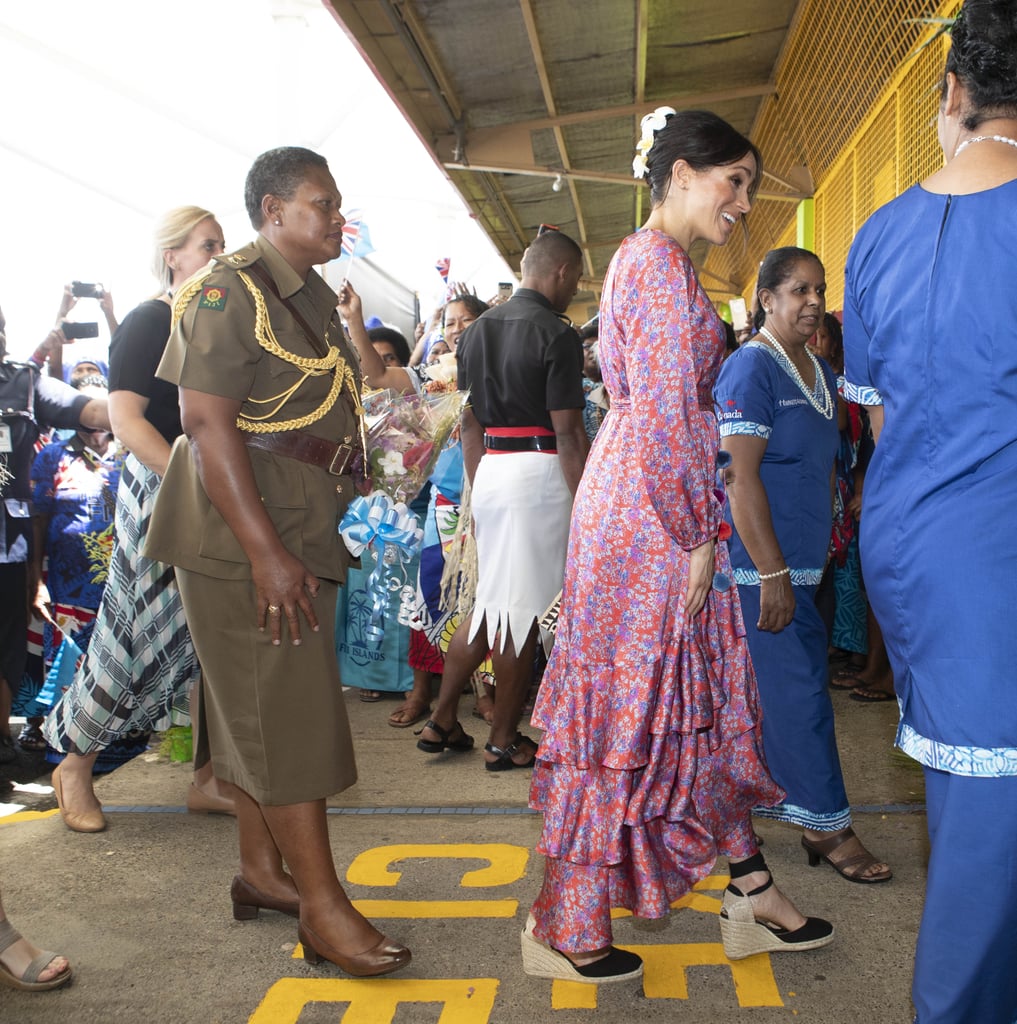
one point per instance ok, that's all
(272, 720)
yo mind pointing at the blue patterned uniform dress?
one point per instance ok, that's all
(757, 396)
(930, 332)
(941, 348)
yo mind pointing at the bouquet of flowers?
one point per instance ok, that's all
(441, 375)
(405, 436)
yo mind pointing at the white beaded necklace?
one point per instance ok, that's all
(825, 408)
(985, 138)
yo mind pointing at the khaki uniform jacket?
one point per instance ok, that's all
(213, 349)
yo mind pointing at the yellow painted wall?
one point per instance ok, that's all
(894, 147)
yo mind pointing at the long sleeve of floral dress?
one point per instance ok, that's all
(670, 341)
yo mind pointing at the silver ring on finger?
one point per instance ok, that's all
(273, 609)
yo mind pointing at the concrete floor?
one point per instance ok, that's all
(143, 909)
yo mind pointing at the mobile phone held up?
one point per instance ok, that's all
(73, 330)
(86, 290)
(505, 290)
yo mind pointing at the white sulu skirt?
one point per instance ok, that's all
(521, 512)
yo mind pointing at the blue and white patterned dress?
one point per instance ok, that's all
(937, 535)
(756, 395)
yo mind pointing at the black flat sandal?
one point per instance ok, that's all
(503, 757)
(463, 743)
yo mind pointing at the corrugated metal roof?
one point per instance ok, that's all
(513, 97)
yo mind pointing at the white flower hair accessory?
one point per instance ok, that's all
(650, 125)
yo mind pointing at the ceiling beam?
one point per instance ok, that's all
(533, 171)
(686, 101)
(552, 108)
(506, 141)
(639, 73)
(604, 177)
(435, 72)
(533, 36)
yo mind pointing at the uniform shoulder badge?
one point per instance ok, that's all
(240, 258)
(213, 296)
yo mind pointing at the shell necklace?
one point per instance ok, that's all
(985, 138)
(825, 407)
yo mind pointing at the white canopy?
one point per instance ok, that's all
(113, 112)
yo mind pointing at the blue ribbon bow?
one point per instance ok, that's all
(392, 532)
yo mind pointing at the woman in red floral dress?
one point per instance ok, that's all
(651, 759)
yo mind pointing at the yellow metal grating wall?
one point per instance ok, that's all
(804, 125)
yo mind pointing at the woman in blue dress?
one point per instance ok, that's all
(777, 406)
(930, 335)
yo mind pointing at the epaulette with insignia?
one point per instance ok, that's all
(241, 258)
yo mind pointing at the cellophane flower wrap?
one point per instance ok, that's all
(405, 436)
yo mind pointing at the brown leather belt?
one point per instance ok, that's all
(336, 458)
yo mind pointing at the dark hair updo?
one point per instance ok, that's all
(279, 172)
(703, 140)
(983, 56)
(775, 269)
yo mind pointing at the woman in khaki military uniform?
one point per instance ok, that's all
(249, 513)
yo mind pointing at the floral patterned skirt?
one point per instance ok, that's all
(650, 764)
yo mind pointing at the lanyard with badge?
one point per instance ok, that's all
(19, 397)
(6, 447)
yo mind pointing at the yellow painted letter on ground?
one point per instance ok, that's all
(375, 1000)
(506, 863)
(664, 976)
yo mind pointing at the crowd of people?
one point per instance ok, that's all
(702, 578)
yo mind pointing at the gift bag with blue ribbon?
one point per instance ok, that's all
(59, 678)
(372, 632)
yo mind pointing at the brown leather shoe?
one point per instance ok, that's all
(86, 821)
(383, 958)
(247, 901)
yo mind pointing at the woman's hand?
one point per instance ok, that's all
(700, 578)
(106, 305)
(349, 305)
(776, 604)
(68, 300)
(42, 604)
(283, 587)
(51, 343)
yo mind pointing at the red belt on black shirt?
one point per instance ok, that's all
(498, 440)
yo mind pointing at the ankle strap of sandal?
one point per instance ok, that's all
(747, 867)
(8, 934)
(741, 868)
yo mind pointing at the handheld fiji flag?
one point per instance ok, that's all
(442, 266)
(356, 240)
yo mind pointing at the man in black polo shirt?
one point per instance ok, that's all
(524, 447)
(27, 400)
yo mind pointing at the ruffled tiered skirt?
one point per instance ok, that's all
(652, 755)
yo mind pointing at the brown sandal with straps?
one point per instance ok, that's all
(851, 866)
